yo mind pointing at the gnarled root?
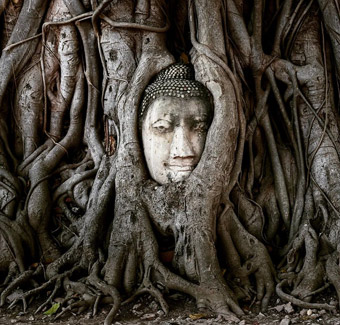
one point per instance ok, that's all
(245, 255)
(29, 276)
(310, 277)
(148, 287)
(108, 290)
(309, 262)
(298, 302)
(134, 247)
(333, 272)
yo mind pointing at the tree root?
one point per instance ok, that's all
(50, 298)
(326, 286)
(28, 275)
(89, 298)
(24, 304)
(13, 271)
(82, 305)
(69, 184)
(24, 277)
(238, 244)
(300, 303)
(333, 273)
(107, 290)
(76, 290)
(148, 287)
(207, 297)
(190, 210)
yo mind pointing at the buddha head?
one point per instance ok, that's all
(176, 113)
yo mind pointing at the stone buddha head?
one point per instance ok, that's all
(176, 113)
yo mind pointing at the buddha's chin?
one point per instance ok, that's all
(172, 176)
(179, 175)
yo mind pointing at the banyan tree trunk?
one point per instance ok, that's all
(76, 197)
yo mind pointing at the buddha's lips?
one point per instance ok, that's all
(181, 168)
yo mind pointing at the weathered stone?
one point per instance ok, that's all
(148, 316)
(289, 308)
(285, 321)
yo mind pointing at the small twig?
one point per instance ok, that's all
(324, 104)
(308, 142)
(11, 46)
(297, 26)
(116, 24)
(97, 12)
(289, 24)
(86, 15)
(252, 302)
(321, 122)
(95, 306)
(325, 196)
(300, 196)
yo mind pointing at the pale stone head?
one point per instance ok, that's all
(176, 114)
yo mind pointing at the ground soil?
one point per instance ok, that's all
(145, 310)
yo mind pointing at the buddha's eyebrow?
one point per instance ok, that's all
(169, 116)
(161, 119)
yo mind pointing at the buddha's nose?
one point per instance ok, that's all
(181, 146)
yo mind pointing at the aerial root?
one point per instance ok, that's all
(300, 303)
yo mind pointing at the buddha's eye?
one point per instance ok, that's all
(162, 126)
(200, 126)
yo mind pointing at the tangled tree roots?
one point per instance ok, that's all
(80, 216)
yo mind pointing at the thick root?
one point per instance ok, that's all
(333, 273)
(238, 243)
(302, 304)
(108, 290)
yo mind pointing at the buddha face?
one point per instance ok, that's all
(173, 134)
